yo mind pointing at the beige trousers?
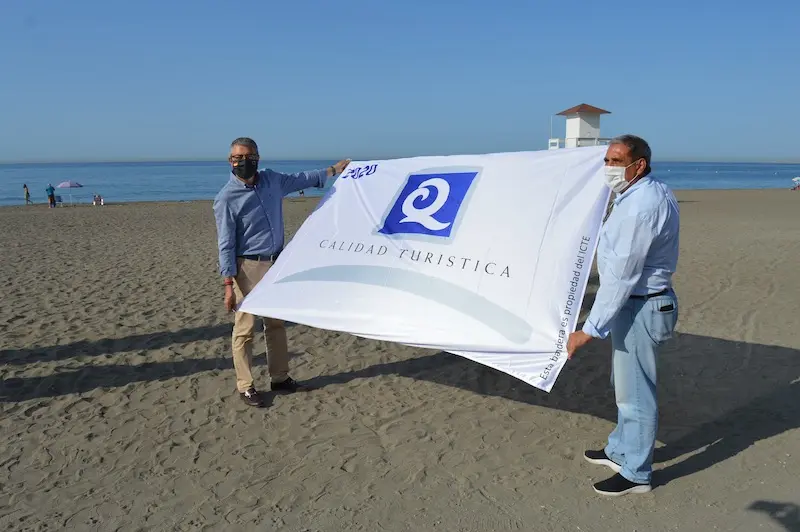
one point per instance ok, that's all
(249, 274)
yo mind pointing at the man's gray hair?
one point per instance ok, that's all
(639, 147)
(247, 142)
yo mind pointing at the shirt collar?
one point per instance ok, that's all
(630, 189)
(235, 181)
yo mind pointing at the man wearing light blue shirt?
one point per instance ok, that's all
(637, 255)
(249, 217)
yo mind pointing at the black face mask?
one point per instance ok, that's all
(246, 169)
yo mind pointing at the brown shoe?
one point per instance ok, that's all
(251, 397)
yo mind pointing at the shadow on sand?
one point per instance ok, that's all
(739, 394)
(109, 346)
(748, 392)
(787, 514)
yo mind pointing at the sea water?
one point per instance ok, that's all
(186, 181)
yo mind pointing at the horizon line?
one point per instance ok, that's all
(372, 158)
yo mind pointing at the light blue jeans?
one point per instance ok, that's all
(637, 332)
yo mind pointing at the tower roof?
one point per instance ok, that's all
(584, 108)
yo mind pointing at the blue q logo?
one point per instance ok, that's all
(430, 202)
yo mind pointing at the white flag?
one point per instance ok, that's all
(483, 256)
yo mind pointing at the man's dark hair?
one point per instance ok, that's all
(246, 142)
(638, 147)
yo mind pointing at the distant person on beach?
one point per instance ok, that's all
(637, 255)
(27, 194)
(51, 195)
(249, 218)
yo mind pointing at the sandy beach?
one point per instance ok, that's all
(119, 409)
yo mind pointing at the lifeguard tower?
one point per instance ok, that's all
(583, 128)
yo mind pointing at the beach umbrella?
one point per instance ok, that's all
(69, 184)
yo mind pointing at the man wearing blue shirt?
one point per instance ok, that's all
(51, 195)
(637, 255)
(249, 217)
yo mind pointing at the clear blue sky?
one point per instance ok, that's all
(92, 80)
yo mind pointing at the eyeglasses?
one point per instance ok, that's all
(240, 158)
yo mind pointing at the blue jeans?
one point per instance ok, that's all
(637, 332)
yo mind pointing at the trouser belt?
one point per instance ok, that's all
(261, 258)
(648, 296)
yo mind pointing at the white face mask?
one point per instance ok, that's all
(615, 177)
